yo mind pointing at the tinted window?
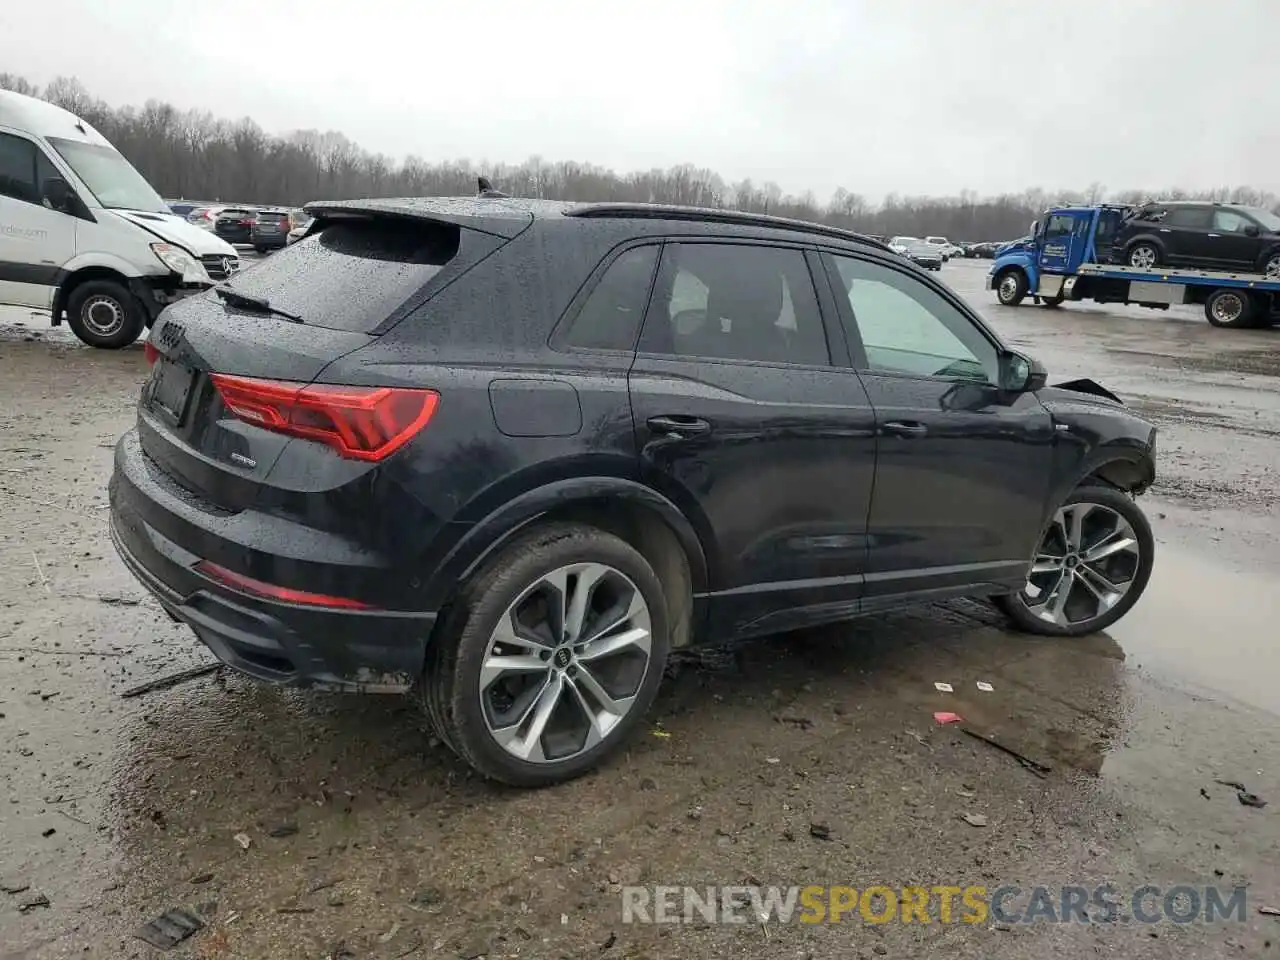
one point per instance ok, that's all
(1228, 221)
(1195, 217)
(18, 168)
(352, 276)
(738, 302)
(610, 317)
(908, 327)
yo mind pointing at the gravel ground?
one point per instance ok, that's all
(808, 759)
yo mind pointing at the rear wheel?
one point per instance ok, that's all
(1143, 256)
(1093, 563)
(105, 314)
(550, 657)
(1229, 308)
(1011, 287)
(1271, 264)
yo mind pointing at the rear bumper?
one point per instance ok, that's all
(277, 642)
(270, 240)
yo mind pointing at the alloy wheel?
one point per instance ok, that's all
(1272, 269)
(565, 663)
(1085, 565)
(103, 316)
(1143, 257)
(1008, 288)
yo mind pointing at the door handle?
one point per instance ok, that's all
(905, 428)
(678, 424)
(1165, 230)
(1213, 234)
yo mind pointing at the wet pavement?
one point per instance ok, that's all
(808, 759)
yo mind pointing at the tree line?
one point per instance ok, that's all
(194, 155)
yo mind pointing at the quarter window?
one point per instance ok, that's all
(738, 302)
(908, 327)
(610, 316)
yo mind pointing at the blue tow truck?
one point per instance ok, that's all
(1065, 258)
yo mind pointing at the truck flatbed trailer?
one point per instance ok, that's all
(1065, 267)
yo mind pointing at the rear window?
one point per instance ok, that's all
(352, 275)
(273, 216)
(234, 212)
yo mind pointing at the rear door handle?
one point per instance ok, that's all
(679, 424)
(1214, 234)
(905, 428)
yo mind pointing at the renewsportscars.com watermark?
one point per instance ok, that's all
(1105, 903)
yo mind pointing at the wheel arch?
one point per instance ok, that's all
(78, 278)
(644, 518)
(1150, 238)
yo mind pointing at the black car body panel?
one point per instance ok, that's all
(787, 494)
(1210, 236)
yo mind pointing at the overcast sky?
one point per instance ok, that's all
(912, 96)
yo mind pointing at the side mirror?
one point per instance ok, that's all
(1019, 374)
(1035, 228)
(57, 193)
(1251, 230)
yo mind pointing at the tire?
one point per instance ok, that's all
(1107, 517)
(1052, 302)
(467, 709)
(105, 314)
(1230, 308)
(1269, 265)
(1143, 255)
(1011, 287)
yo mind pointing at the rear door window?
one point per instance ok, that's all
(1196, 218)
(353, 275)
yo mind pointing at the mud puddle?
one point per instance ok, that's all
(1205, 624)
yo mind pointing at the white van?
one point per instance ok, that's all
(83, 235)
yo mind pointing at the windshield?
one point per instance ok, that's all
(935, 240)
(1268, 219)
(109, 177)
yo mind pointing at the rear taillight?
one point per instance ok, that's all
(151, 353)
(246, 223)
(361, 423)
(259, 588)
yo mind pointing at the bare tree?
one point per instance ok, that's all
(198, 156)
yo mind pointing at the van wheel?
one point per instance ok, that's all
(1229, 308)
(105, 314)
(549, 657)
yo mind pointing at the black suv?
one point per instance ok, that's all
(1209, 236)
(509, 454)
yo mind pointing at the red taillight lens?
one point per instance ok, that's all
(361, 423)
(238, 581)
(246, 223)
(151, 353)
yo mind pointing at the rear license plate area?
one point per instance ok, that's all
(170, 390)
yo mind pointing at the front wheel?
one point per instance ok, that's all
(1093, 563)
(105, 314)
(550, 657)
(1011, 287)
(1271, 265)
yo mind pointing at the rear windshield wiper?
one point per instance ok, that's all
(247, 300)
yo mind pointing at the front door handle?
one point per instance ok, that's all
(679, 424)
(1214, 235)
(905, 428)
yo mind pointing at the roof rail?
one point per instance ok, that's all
(659, 211)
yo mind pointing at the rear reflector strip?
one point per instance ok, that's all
(269, 591)
(151, 353)
(360, 423)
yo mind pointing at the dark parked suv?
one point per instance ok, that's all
(270, 230)
(509, 454)
(1209, 236)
